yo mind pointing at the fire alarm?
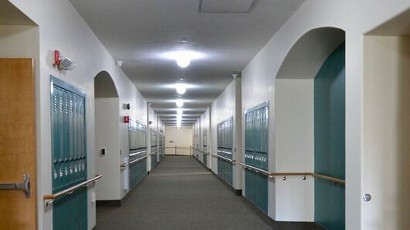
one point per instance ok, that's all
(57, 58)
(126, 119)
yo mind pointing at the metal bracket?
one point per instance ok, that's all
(25, 186)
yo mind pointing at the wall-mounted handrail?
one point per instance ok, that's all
(153, 153)
(206, 153)
(226, 152)
(123, 166)
(329, 178)
(49, 199)
(255, 169)
(285, 174)
(136, 160)
(224, 158)
(137, 153)
(304, 174)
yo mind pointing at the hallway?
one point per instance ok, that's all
(180, 194)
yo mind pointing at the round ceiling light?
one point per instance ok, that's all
(179, 103)
(181, 88)
(183, 60)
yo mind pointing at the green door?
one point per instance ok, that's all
(69, 155)
(329, 123)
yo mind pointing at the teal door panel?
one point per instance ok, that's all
(69, 158)
(329, 140)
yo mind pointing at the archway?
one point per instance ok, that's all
(107, 138)
(297, 102)
(386, 125)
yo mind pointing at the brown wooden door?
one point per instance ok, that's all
(17, 142)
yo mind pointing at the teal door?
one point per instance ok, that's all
(256, 155)
(69, 155)
(329, 135)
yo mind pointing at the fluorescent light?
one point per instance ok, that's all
(181, 88)
(179, 111)
(179, 103)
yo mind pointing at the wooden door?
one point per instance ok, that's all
(17, 142)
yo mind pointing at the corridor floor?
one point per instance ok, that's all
(180, 194)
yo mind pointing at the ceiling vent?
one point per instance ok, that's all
(226, 6)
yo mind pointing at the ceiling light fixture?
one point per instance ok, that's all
(179, 117)
(179, 103)
(182, 57)
(179, 111)
(181, 88)
(183, 60)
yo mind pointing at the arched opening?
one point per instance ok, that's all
(309, 103)
(386, 125)
(107, 138)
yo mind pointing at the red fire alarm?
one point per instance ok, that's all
(126, 119)
(57, 59)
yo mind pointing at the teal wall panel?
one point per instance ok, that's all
(69, 156)
(329, 140)
(256, 154)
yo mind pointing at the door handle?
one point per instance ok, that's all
(25, 186)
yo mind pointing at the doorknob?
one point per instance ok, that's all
(367, 197)
(25, 186)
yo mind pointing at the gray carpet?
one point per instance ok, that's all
(180, 194)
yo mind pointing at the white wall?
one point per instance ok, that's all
(227, 105)
(178, 137)
(222, 108)
(294, 149)
(107, 128)
(356, 18)
(386, 129)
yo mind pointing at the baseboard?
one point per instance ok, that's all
(108, 203)
(237, 192)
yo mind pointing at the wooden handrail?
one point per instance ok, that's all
(329, 178)
(137, 160)
(255, 169)
(206, 153)
(48, 199)
(224, 158)
(284, 174)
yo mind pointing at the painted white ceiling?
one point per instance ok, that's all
(139, 32)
